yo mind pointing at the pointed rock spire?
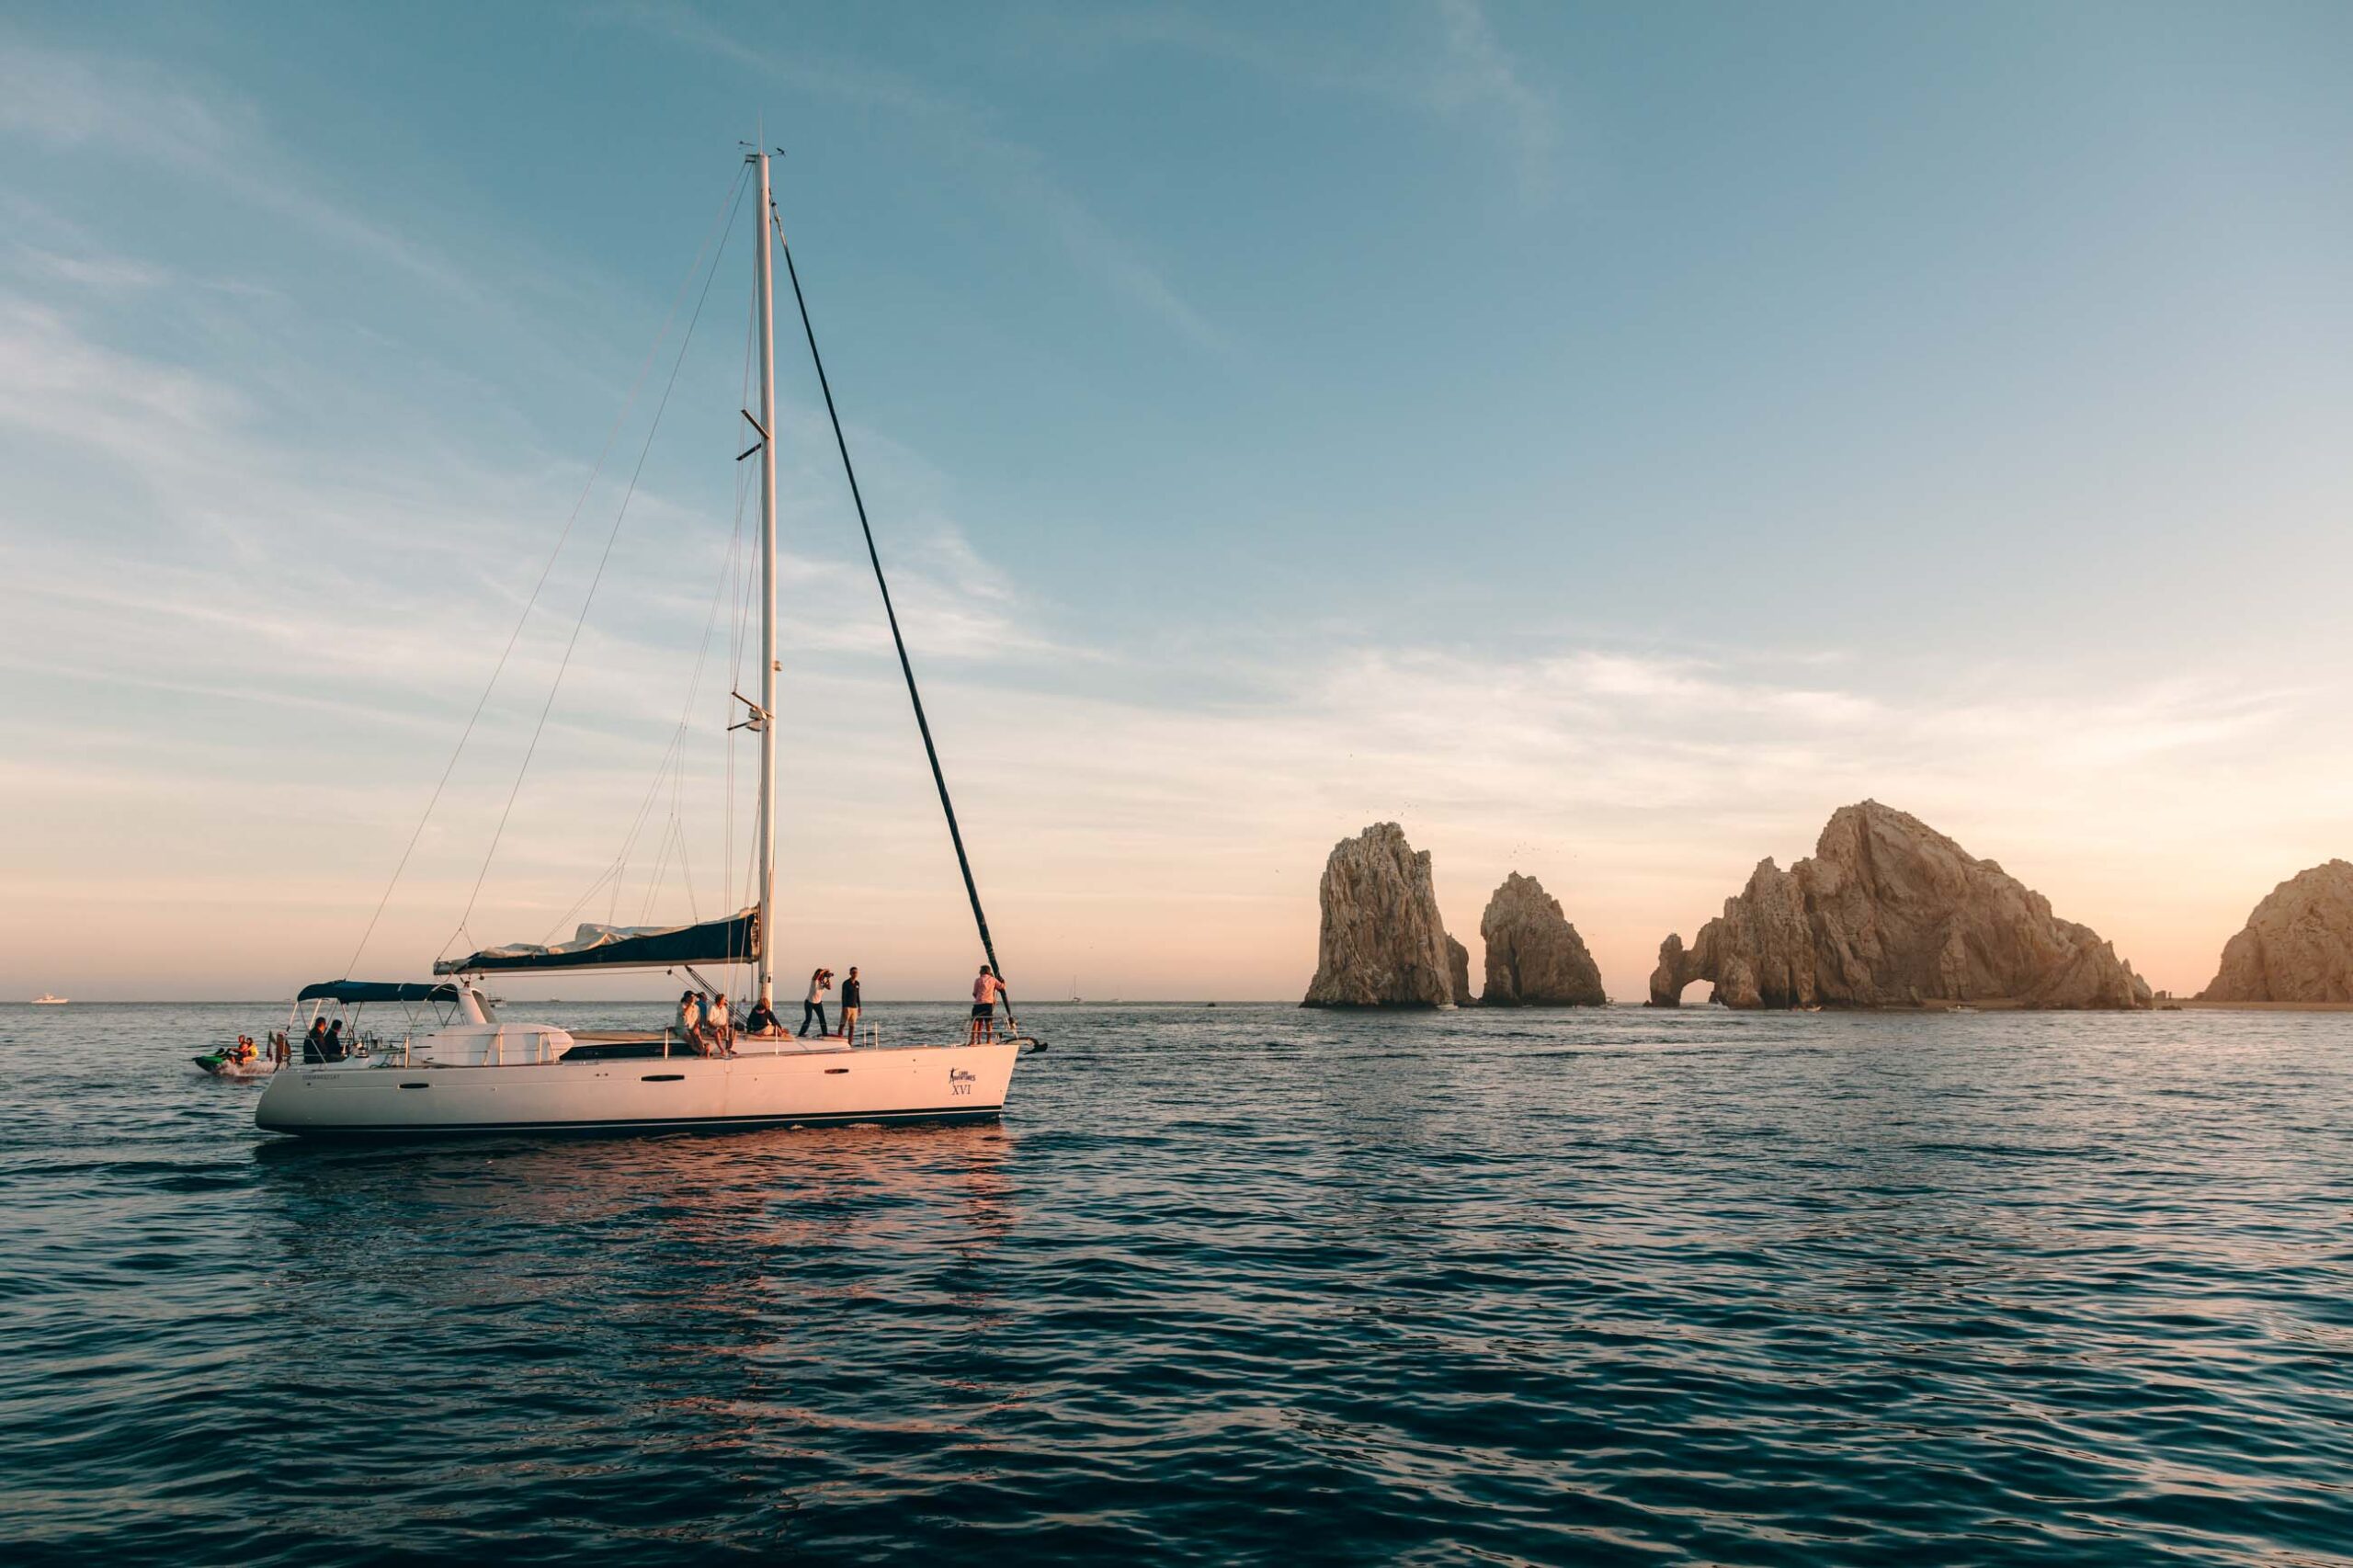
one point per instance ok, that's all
(1383, 943)
(1534, 955)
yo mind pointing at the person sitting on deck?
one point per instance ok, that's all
(333, 1045)
(314, 1043)
(690, 1015)
(985, 990)
(762, 1021)
(718, 1023)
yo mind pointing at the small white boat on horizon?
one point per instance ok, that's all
(458, 1068)
(48, 1000)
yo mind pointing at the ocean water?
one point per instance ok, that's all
(1236, 1284)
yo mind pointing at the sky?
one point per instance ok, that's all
(1602, 438)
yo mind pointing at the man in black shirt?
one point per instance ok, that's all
(850, 1003)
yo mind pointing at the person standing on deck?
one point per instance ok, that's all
(986, 989)
(851, 1006)
(821, 980)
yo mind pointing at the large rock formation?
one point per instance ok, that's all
(1458, 969)
(1383, 944)
(1533, 953)
(1889, 912)
(2298, 944)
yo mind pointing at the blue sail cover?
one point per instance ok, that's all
(375, 991)
(733, 940)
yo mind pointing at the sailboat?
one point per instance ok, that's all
(459, 1069)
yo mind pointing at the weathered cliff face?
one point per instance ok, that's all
(1533, 953)
(1458, 969)
(1382, 944)
(1889, 912)
(2298, 944)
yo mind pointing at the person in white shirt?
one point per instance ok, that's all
(689, 1018)
(718, 1021)
(820, 980)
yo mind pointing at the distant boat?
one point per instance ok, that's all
(47, 1000)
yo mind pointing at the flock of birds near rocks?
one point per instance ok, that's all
(1887, 913)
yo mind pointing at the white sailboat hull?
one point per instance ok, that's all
(383, 1097)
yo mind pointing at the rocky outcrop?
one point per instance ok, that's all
(1533, 953)
(2298, 944)
(1382, 942)
(1458, 969)
(1889, 912)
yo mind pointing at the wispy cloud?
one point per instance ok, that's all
(1478, 75)
(1012, 173)
(59, 383)
(82, 102)
(106, 273)
(1449, 63)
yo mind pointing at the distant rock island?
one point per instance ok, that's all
(1889, 912)
(2297, 946)
(1534, 955)
(1383, 943)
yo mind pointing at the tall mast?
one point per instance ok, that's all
(762, 272)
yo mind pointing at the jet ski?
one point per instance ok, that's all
(242, 1060)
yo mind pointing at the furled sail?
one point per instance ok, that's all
(376, 991)
(733, 940)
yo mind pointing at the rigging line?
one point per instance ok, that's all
(673, 763)
(938, 778)
(637, 384)
(674, 756)
(672, 766)
(736, 564)
(596, 580)
(581, 903)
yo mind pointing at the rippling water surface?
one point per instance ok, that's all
(1234, 1283)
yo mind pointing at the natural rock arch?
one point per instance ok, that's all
(1889, 912)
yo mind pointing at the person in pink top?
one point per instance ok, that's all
(985, 990)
